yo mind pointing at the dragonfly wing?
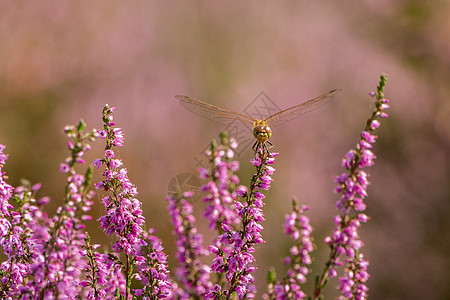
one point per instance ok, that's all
(299, 110)
(216, 114)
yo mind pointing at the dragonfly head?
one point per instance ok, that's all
(261, 131)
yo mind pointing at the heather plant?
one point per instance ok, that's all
(53, 257)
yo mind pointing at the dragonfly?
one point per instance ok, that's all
(261, 128)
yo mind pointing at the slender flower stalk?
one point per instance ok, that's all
(298, 228)
(123, 215)
(45, 255)
(192, 275)
(234, 248)
(345, 242)
(105, 279)
(123, 218)
(13, 236)
(61, 246)
(221, 187)
(20, 237)
(153, 269)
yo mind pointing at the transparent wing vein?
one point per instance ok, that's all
(299, 110)
(216, 114)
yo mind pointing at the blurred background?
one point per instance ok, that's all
(62, 61)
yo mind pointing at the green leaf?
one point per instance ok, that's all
(223, 137)
(271, 276)
(88, 178)
(81, 125)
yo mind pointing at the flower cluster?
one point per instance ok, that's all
(22, 239)
(123, 217)
(298, 228)
(44, 258)
(13, 270)
(192, 276)
(352, 185)
(221, 187)
(153, 270)
(123, 214)
(234, 248)
(105, 278)
(59, 241)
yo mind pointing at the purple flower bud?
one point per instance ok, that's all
(241, 190)
(374, 124)
(64, 168)
(102, 134)
(363, 218)
(99, 185)
(368, 137)
(97, 163)
(332, 273)
(109, 153)
(44, 200)
(256, 162)
(364, 144)
(116, 163)
(348, 159)
(259, 195)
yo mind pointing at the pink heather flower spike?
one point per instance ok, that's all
(234, 247)
(45, 255)
(123, 217)
(298, 228)
(106, 277)
(193, 280)
(14, 269)
(61, 247)
(345, 243)
(221, 189)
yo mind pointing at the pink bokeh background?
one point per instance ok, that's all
(62, 61)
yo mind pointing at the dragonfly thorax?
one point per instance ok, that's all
(261, 131)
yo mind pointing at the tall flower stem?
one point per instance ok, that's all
(123, 217)
(191, 274)
(221, 185)
(298, 227)
(352, 185)
(234, 248)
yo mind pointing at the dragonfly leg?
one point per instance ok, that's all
(265, 148)
(256, 146)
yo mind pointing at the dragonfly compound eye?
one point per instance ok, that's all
(262, 132)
